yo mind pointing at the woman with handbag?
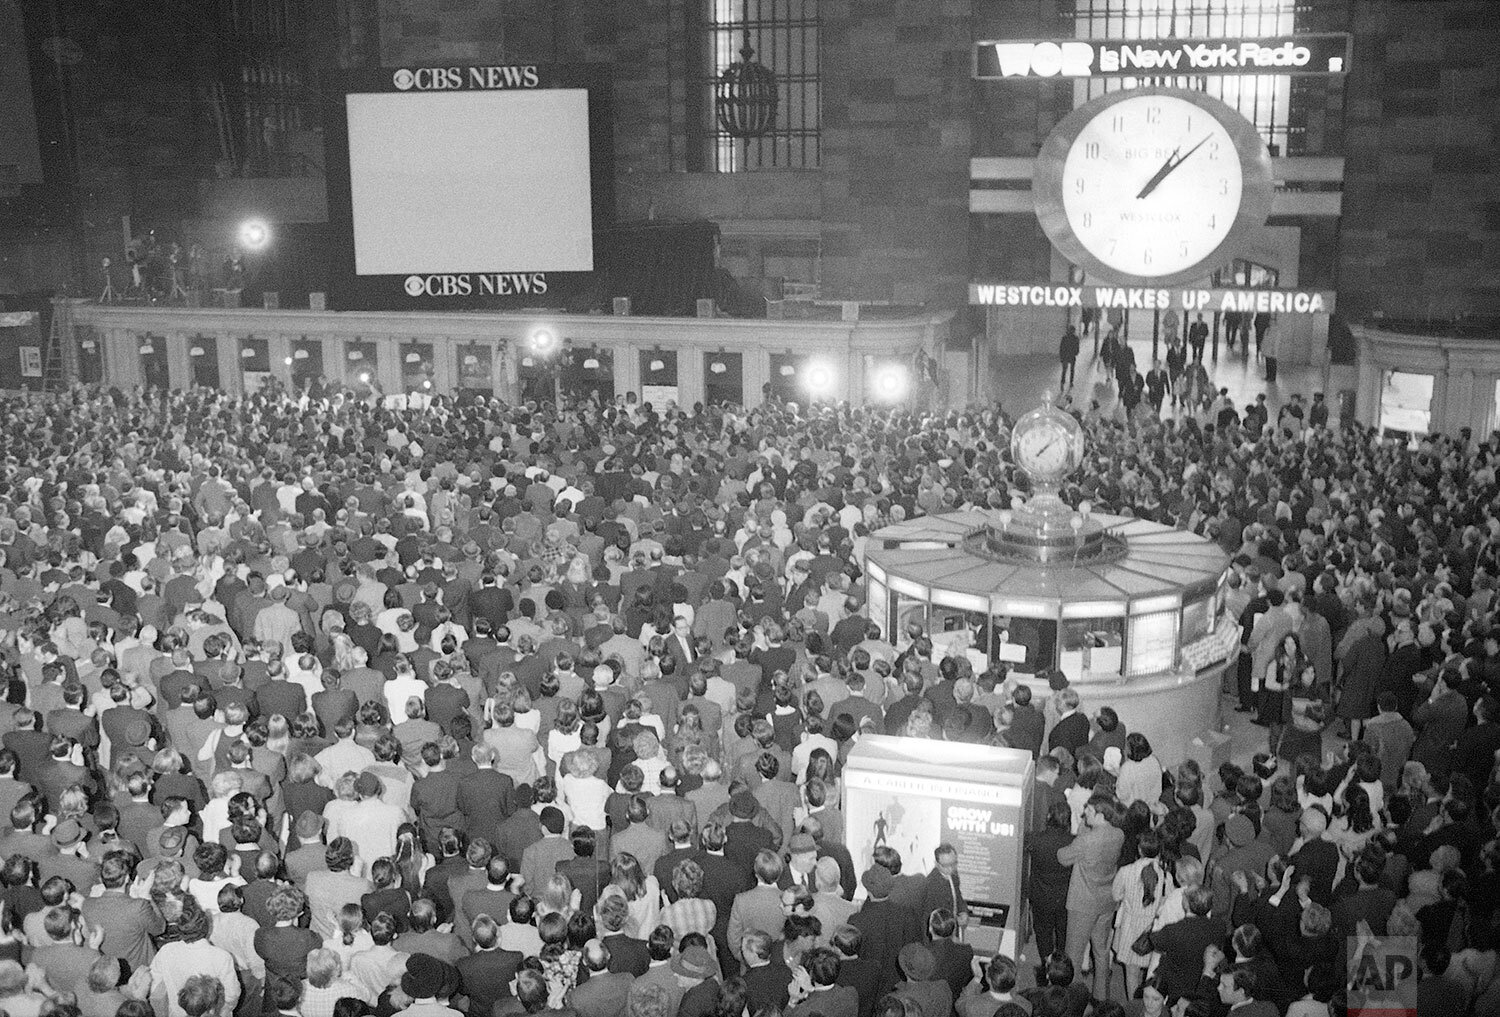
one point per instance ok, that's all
(1138, 890)
(1289, 670)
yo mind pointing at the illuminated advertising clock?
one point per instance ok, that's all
(1152, 186)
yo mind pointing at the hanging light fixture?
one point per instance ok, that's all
(745, 96)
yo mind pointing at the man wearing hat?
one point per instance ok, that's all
(68, 839)
(1242, 854)
(884, 926)
(918, 967)
(429, 983)
(801, 860)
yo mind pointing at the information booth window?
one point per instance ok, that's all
(958, 626)
(1024, 642)
(1151, 647)
(1092, 645)
(878, 605)
(475, 369)
(908, 607)
(538, 378)
(203, 353)
(723, 379)
(307, 363)
(659, 384)
(153, 353)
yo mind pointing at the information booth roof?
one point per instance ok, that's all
(1159, 561)
(953, 761)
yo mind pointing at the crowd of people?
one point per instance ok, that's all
(321, 709)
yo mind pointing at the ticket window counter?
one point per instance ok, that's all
(659, 379)
(361, 367)
(475, 370)
(723, 379)
(417, 368)
(203, 353)
(307, 363)
(788, 382)
(589, 374)
(153, 354)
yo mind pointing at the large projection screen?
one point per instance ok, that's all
(470, 181)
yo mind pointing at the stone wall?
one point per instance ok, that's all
(1420, 233)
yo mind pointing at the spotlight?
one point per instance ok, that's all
(819, 379)
(364, 377)
(891, 383)
(254, 234)
(288, 361)
(427, 383)
(542, 341)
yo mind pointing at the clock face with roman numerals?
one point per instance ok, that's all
(1152, 185)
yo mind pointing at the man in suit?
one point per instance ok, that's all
(1071, 731)
(128, 923)
(1474, 752)
(639, 838)
(766, 974)
(745, 838)
(1094, 855)
(626, 953)
(780, 798)
(681, 849)
(588, 874)
(670, 807)
(1439, 720)
(884, 927)
(758, 908)
(722, 882)
(659, 947)
(434, 796)
(953, 962)
(1237, 989)
(941, 890)
(492, 899)
(855, 971)
(540, 860)
(606, 993)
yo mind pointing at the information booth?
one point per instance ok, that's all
(913, 795)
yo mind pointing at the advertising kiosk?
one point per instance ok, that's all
(914, 794)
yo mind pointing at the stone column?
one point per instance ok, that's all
(179, 362)
(756, 363)
(690, 385)
(388, 353)
(444, 377)
(231, 371)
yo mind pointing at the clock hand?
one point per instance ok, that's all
(1161, 174)
(1173, 161)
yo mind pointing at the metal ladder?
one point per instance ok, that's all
(56, 367)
